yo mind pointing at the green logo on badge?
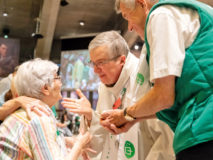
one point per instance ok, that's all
(140, 79)
(129, 149)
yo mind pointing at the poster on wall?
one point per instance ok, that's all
(9, 55)
(76, 73)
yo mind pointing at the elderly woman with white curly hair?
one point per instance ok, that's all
(38, 138)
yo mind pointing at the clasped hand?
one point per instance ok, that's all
(114, 121)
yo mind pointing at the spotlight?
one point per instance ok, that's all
(5, 14)
(136, 47)
(82, 23)
(64, 3)
(5, 32)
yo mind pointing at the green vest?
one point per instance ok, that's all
(191, 116)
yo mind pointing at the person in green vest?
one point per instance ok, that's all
(178, 36)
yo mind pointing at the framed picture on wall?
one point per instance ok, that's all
(9, 55)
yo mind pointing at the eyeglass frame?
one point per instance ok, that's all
(57, 77)
(101, 62)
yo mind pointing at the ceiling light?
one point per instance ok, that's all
(136, 47)
(82, 23)
(64, 3)
(5, 14)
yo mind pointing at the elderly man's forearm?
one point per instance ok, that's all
(160, 97)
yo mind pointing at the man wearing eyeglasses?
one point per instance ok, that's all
(123, 82)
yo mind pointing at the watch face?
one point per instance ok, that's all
(129, 118)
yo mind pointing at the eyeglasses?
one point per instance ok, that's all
(101, 62)
(57, 77)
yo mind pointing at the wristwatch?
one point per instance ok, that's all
(127, 116)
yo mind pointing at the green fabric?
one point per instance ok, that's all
(191, 116)
(54, 111)
(55, 114)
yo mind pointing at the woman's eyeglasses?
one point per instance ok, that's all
(57, 77)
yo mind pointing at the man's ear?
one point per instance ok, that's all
(45, 90)
(143, 3)
(123, 59)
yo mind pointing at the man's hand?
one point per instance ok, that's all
(80, 106)
(115, 117)
(124, 128)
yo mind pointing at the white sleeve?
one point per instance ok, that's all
(162, 137)
(98, 134)
(97, 131)
(167, 49)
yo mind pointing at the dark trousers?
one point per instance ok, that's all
(202, 151)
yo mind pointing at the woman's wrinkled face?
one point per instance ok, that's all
(55, 90)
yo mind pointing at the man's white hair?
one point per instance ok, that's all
(130, 4)
(113, 40)
(33, 75)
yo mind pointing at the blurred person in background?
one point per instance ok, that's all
(4, 87)
(3, 51)
(63, 125)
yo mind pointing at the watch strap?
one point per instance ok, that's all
(127, 116)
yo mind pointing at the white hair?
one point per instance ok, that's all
(130, 4)
(113, 40)
(33, 75)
